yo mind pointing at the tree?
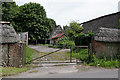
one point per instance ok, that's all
(73, 30)
(30, 17)
(9, 10)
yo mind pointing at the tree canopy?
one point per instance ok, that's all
(73, 30)
(30, 17)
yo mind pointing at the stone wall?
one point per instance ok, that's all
(105, 49)
(3, 54)
(108, 21)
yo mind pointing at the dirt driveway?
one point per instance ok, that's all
(45, 48)
(66, 70)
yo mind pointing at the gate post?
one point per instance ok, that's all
(70, 55)
(89, 52)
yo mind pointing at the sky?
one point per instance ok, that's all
(65, 11)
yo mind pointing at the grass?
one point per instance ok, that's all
(35, 71)
(83, 56)
(59, 56)
(30, 54)
(104, 63)
(8, 71)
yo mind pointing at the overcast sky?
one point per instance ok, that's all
(65, 11)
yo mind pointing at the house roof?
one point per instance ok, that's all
(56, 30)
(107, 35)
(100, 17)
(58, 35)
(7, 34)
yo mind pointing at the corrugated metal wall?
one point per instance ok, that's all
(23, 37)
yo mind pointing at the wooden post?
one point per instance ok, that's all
(71, 55)
(89, 52)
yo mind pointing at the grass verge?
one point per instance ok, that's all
(83, 56)
(8, 71)
(30, 54)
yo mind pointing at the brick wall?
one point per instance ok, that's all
(105, 49)
(12, 55)
(16, 55)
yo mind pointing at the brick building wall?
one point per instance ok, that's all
(105, 49)
(12, 55)
(16, 55)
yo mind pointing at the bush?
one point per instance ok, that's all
(83, 39)
(65, 43)
(104, 63)
(82, 55)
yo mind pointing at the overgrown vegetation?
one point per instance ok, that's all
(73, 30)
(65, 43)
(83, 56)
(83, 39)
(8, 71)
(104, 63)
(29, 54)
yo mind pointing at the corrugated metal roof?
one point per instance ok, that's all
(58, 35)
(4, 22)
(107, 35)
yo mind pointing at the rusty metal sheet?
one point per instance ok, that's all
(23, 37)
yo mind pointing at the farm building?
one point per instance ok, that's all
(107, 21)
(57, 37)
(56, 34)
(11, 52)
(106, 39)
(106, 42)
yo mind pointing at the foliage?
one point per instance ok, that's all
(65, 43)
(10, 11)
(8, 71)
(104, 63)
(82, 55)
(83, 39)
(30, 17)
(119, 24)
(29, 53)
(73, 30)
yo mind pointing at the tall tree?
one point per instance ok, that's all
(30, 17)
(73, 30)
(9, 10)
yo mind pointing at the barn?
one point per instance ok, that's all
(106, 42)
(106, 39)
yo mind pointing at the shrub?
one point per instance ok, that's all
(82, 55)
(65, 43)
(104, 63)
